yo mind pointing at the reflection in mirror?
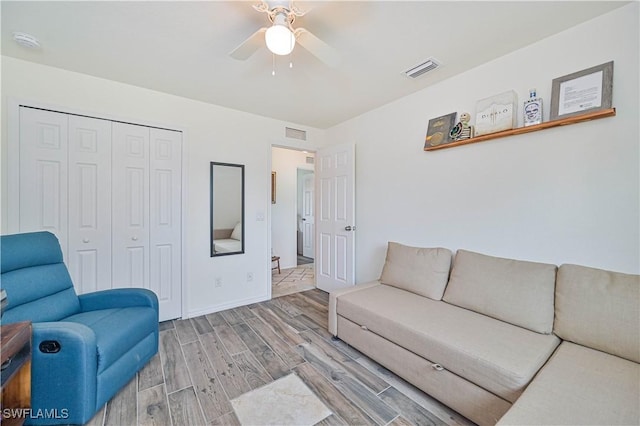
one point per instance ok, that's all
(227, 209)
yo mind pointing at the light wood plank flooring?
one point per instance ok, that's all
(205, 362)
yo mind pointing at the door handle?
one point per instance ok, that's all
(349, 228)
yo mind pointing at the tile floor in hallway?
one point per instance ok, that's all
(292, 280)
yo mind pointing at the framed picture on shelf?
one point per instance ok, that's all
(438, 130)
(584, 91)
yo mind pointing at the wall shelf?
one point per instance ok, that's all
(520, 130)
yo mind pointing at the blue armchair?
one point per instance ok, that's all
(85, 348)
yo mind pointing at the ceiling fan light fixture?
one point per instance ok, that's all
(280, 40)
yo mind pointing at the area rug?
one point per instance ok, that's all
(286, 401)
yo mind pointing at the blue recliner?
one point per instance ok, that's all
(85, 348)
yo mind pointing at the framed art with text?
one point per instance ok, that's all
(584, 91)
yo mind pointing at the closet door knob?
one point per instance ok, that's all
(85, 240)
(134, 238)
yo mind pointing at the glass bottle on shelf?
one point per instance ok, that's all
(532, 109)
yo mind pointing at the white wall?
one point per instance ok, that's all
(285, 162)
(564, 195)
(212, 133)
(569, 194)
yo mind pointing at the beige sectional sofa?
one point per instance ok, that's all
(501, 340)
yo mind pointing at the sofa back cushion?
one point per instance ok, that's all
(35, 278)
(514, 291)
(422, 271)
(599, 309)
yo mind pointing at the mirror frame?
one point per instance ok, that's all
(211, 206)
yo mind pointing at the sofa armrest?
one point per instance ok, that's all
(333, 303)
(118, 298)
(64, 381)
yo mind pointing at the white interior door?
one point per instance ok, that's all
(308, 221)
(165, 221)
(112, 194)
(89, 203)
(43, 181)
(130, 207)
(335, 217)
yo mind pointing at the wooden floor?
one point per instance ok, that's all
(205, 362)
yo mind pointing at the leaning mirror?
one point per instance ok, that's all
(227, 209)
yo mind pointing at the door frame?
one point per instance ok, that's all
(11, 225)
(293, 147)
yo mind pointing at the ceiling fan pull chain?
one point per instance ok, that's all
(273, 64)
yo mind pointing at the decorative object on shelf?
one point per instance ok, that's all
(532, 109)
(462, 130)
(584, 91)
(438, 130)
(496, 113)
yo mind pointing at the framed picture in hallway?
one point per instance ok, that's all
(273, 187)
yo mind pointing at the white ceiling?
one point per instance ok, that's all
(182, 47)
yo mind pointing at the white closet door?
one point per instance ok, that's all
(165, 220)
(43, 173)
(89, 203)
(130, 206)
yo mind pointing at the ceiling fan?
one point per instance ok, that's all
(280, 38)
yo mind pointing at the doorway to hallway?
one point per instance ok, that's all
(293, 221)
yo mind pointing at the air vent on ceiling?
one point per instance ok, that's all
(309, 160)
(428, 65)
(290, 132)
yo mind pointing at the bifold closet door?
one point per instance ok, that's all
(166, 220)
(130, 205)
(89, 203)
(146, 213)
(65, 188)
(112, 194)
(43, 185)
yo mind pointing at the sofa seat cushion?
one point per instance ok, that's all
(581, 386)
(117, 330)
(492, 354)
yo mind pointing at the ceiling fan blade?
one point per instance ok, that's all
(317, 47)
(298, 9)
(249, 46)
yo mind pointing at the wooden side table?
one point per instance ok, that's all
(15, 356)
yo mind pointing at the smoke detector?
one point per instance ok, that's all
(26, 40)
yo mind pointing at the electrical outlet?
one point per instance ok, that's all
(218, 282)
(249, 276)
